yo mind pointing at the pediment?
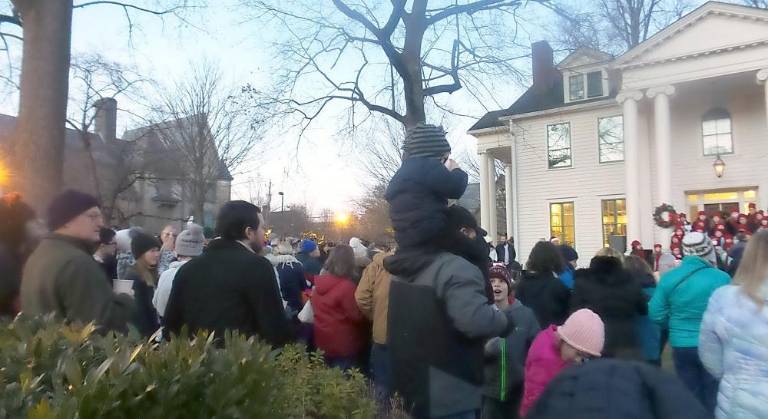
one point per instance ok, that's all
(712, 28)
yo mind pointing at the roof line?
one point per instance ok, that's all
(576, 107)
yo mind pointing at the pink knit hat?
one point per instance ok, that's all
(585, 331)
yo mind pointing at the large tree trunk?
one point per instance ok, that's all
(413, 86)
(38, 141)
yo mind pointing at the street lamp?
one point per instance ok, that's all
(282, 201)
(719, 166)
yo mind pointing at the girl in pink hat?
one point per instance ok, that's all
(580, 338)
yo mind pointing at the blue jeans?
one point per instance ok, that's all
(381, 372)
(692, 373)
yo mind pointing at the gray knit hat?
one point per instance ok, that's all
(698, 244)
(190, 241)
(425, 140)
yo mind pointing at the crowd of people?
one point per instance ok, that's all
(447, 325)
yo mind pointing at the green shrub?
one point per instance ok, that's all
(53, 371)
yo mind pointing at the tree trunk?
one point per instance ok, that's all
(413, 85)
(38, 140)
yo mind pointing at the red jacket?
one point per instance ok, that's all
(339, 324)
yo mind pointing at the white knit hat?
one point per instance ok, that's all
(698, 244)
(190, 241)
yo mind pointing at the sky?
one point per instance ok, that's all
(322, 172)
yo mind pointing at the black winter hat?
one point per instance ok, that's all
(569, 253)
(426, 140)
(66, 206)
(142, 243)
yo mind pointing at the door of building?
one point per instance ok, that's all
(723, 207)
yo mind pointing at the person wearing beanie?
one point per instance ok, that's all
(106, 253)
(188, 245)
(309, 256)
(580, 338)
(143, 275)
(679, 303)
(61, 275)
(125, 257)
(505, 355)
(419, 191)
(612, 389)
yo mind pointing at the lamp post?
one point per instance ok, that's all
(719, 166)
(282, 201)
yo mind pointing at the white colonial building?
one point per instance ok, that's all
(597, 142)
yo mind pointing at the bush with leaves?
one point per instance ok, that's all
(49, 370)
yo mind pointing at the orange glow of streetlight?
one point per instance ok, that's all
(5, 174)
(342, 218)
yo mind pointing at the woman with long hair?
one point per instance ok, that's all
(340, 327)
(144, 275)
(733, 344)
(540, 289)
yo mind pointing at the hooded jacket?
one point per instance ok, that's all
(438, 319)
(505, 356)
(681, 298)
(418, 197)
(546, 296)
(164, 286)
(732, 347)
(613, 389)
(62, 277)
(610, 291)
(340, 327)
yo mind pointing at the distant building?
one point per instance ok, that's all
(597, 142)
(140, 180)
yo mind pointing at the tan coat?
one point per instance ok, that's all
(372, 296)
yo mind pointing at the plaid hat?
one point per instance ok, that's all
(425, 140)
(698, 244)
(67, 206)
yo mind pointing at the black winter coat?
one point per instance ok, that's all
(610, 291)
(614, 389)
(228, 288)
(146, 318)
(546, 296)
(418, 197)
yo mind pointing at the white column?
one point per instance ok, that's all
(493, 206)
(762, 78)
(663, 136)
(632, 176)
(484, 198)
(509, 191)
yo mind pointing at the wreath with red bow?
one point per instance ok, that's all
(665, 216)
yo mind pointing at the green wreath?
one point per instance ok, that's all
(662, 221)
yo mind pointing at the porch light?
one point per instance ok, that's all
(719, 166)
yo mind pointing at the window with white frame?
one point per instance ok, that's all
(716, 132)
(559, 145)
(576, 87)
(610, 136)
(585, 86)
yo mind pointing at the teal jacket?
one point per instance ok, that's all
(681, 299)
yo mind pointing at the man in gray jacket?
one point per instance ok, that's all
(62, 277)
(439, 317)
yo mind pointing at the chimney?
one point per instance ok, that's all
(544, 72)
(105, 122)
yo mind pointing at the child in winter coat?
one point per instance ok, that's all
(505, 356)
(419, 191)
(580, 338)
